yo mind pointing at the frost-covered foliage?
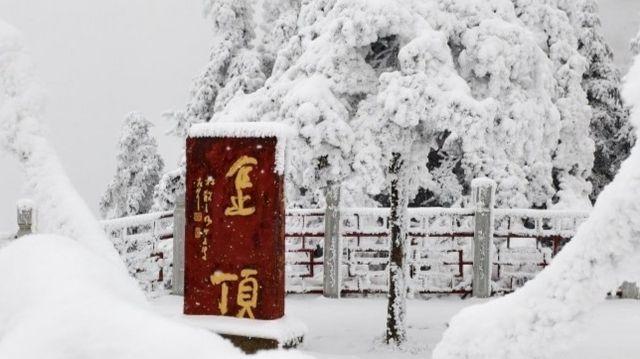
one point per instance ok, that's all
(326, 60)
(138, 171)
(544, 316)
(610, 128)
(60, 208)
(235, 66)
(232, 65)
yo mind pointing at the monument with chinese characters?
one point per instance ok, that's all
(235, 218)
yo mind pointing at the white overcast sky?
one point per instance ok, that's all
(100, 59)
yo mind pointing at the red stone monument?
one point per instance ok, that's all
(235, 217)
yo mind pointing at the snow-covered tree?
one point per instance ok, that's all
(419, 96)
(404, 95)
(138, 171)
(550, 21)
(234, 66)
(374, 88)
(610, 128)
(537, 101)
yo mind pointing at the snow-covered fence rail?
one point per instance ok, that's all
(440, 251)
(145, 243)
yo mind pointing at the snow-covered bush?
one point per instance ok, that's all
(139, 167)
(544, 316)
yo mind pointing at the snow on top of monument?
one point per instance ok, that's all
(246, 130)
(241, 129)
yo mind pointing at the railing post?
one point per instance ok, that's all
(629, 290)
(25, 217)
(179, 221)
(332, 246)
(483, 192)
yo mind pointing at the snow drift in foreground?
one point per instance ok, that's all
(544, 316)
(61, 301)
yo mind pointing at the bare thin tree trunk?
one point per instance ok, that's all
(396, 308)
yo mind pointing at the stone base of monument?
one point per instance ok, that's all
(247, 334)
(253, 335)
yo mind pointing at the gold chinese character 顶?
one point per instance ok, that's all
(241, 169)
(247, 298)
(247, 293)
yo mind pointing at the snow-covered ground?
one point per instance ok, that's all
(353, 327)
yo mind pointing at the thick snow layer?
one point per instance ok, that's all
(352, 328)
(62, 301)
(248, 129)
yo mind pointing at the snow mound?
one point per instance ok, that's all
(69, 303)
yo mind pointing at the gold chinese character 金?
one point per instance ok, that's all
(241, 169)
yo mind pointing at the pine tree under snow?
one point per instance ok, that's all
(610, 128)
(234, 66)
(139, 167)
